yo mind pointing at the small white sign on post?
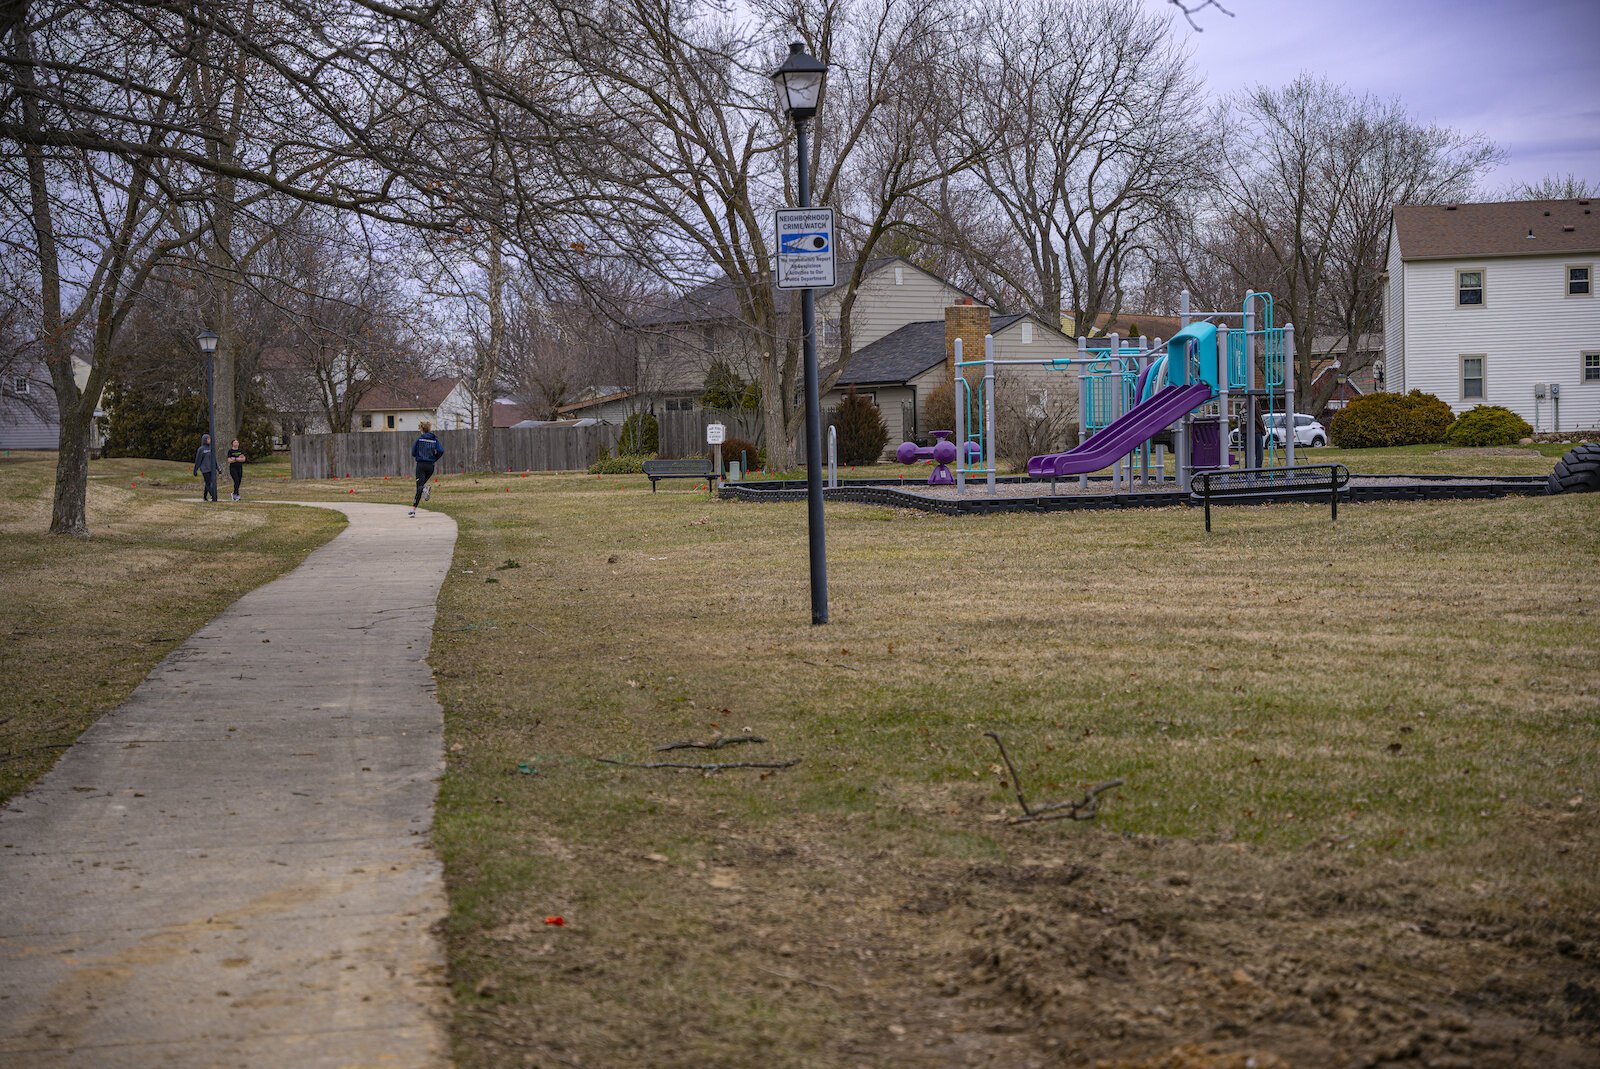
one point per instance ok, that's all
(716, 434)
(805, 248)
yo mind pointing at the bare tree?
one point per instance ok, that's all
(1552, 187)
(1301, 207)
(1098, 143)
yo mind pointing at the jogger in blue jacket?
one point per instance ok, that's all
(426, 451)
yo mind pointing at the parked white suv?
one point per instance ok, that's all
(1307, 431)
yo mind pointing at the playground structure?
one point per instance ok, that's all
(1137, 405)
(942, 452)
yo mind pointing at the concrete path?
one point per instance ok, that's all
(233, 868)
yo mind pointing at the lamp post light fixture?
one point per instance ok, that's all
(799, 84)
(208, 345)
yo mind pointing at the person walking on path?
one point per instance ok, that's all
(205, 463)
(236, 459)
(426, 451)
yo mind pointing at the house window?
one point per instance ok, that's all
(19, 386)
(828, 332)
(1027, 333)
(680, 404)
(366, 422)
(1472, 378)
(390, 421)
(899, 276)
(1580, 279)
(1591, 367)
(1469, 288)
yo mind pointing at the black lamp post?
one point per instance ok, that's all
(208, 345)
(799, 83)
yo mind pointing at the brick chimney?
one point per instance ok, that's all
(968, 321)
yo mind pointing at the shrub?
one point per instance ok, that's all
(939, 409)
(626, 464)
(641, 435)
(1488, 425)
(732, 447)
(151, 423)
(862, 434)
(1391, 419)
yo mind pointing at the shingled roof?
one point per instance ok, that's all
(1507, 228)
(415, 395)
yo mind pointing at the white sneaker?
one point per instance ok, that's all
(427, 491)
(412, 514)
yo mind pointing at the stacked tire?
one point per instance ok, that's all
(1578, 472)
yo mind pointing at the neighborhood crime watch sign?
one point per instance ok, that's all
(805, 248)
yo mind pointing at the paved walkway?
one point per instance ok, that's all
(232, 868)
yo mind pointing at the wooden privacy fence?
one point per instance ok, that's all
(363, 454)
(683, 434)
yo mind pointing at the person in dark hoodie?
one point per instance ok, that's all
(205, 463)
(426, 451)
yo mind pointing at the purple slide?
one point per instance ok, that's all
(1124, 434)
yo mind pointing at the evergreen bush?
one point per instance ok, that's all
(641, 435)
(152, 423)
(1390, 419)
(755, 456)
(1488, 425)
(862, 434)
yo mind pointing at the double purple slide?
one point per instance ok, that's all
(1124, 434)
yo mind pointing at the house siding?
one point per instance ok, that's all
(1394, 318)
(882, 307)
(1527, 330)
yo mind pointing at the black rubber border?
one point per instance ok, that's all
(889, 493)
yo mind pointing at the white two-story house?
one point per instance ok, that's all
(1495, 304)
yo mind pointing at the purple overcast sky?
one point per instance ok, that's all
(1522, 73)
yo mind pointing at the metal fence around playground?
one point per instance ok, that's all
(368, 454)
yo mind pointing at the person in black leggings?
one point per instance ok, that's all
(426, 451)
(236, 459)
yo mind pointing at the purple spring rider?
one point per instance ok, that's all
(941, 452)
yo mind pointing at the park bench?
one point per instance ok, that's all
(1239, 485)
(687, 468)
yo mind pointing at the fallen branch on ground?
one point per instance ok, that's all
(700, 768)
(715, 744)
(1082, 809)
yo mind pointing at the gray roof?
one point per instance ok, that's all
(1505, 228)
(906, 353)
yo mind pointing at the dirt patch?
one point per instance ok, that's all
(1488, 451)
(1080, 948)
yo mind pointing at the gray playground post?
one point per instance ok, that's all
(1160, 450)
(1083, 400)
(1183, 312)
(1247, 432)
(1222, 389)
(958, 396)
(988, 412)
(1118, 405)
(1288, 394)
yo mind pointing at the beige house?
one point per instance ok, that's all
(898, 371)
(681, 342)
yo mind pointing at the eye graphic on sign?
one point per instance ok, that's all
(805, 243)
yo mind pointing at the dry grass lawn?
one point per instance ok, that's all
(87, 619)
(1357, 825)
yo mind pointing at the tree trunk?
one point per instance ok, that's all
(69, 513)
(483, 386)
